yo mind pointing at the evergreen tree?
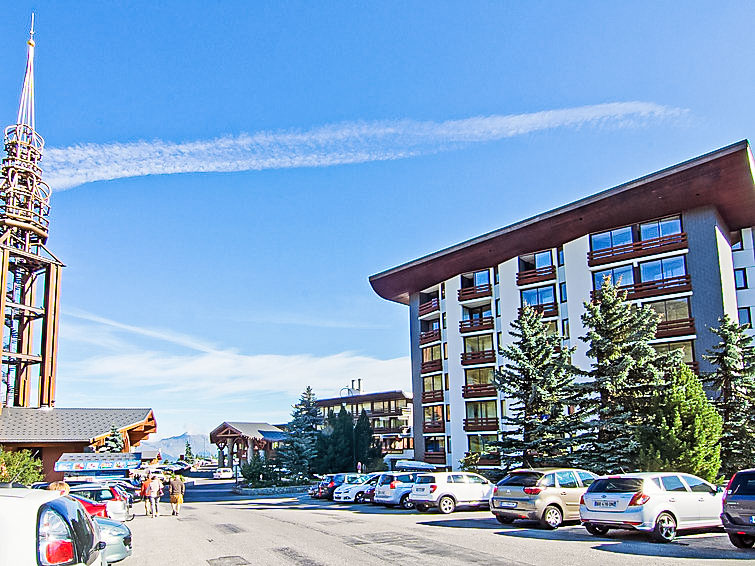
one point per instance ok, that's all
(113, 442)
(343, 438)
(363, 440)
(188, 454)
(618, 398)
(20, 466)
(325, 459)
(537, 377)
(685, 430)
(298, 451)
(733, 386)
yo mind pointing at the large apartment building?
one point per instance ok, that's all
(679, 240)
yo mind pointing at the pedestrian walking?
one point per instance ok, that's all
(177, 490)
(155, 491)
(144, 494)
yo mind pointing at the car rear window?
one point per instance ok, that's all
(743, 484)
(523, 479)
(385, 479)
(426, 479)
(407, 478)
(616, 485)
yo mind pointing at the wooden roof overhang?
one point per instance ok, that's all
(136, 432)
(722, 178)
(224, 433)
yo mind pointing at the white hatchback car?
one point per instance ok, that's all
(660, 503)
(448, 490)
(41, 527)
(354, 492)
(223, 474)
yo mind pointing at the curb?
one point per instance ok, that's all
(270, 490)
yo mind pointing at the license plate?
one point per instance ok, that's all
(506, 504)
(421, 490)
(605, 503)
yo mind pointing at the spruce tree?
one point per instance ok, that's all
(325, 446)
(113, 442)
(298, 451)
(537, 378)
(188, 454)
(363, 440)
(732, 384)
(622, 382)
(344, 441)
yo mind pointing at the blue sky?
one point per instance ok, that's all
(338, 140)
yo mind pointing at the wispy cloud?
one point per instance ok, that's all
(348, 142)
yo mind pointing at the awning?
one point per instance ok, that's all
(92, 462)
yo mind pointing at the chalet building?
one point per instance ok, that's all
(238, 441)
(679, 241)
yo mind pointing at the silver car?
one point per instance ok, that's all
(660, 503)
(394, 488)
(117, 538)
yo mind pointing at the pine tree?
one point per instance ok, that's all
(188, 454)
(298, 451)
(537, 378)
(344, 441)
(733, 386)
(625, 376)
(685, 431)
(113, 442)
(325, 459)
(363, 440)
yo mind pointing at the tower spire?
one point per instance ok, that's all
(26, 106)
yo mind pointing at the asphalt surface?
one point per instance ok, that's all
(218, 528)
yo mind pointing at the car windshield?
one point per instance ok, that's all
(615, 485)
(523, 479)
(425, 479)
(743, 484)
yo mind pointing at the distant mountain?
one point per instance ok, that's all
(173, 447)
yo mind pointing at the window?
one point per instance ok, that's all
(672, 483)
(448, 443)
(586, 477)
(432, 383)
(445, 350)
(738, 241)
(685, 346)
(431, 354)
(503, 407)
(448, 413)
(498, 307)
(472, 478)
(499, 335)
(740, 278)
(446, 376)
(551, 327)
(610, 239)
(481, 410)
(549, 480)
(562, 292)
(479, 376)
(442, 290)
(662, 269)
(482, 443)
(444, 321)
(476, 313)
(433, 414)
(537, 260)
(560, 255)
(429, 325)
(475, 279)
(696, 485)
(457, 478)
(435, 444)
(495, 275)
(671, 309)
(663, 227)
(566, 479)
(565, 328)
(478, 343)
(618, 276)
(744, 315)
(539, 296)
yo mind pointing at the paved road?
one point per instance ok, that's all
(217, 528)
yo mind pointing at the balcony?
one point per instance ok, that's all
(429, 336)
(386, 412)
(431, 366)
(434, 396)
(478, 390)
(536, 275)
(435, 458)
(434, 426)
(387, 430)
(469, 293)
(475, 324)
(637, 249)
(671, 328)
(481, 424)
(678, 284)
(547, 310)
(483, 357)
(428, 307)
(489, 459)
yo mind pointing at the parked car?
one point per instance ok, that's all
(354, 492)
(548, 495)
(394, 489)
(117, 538)
(449, 490)
(223, 474)
(337, 480)
(661, 503)
(738, 516)
(118, 505)
(43, 527)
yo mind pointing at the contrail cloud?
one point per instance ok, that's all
(336, 144)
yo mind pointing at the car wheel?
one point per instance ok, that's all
(665, 528)
(504, 520)
(741, 541)
(446, 505)
(421, 507)
(552, 517)
(406, 503)
(359, 497)
(597, 530)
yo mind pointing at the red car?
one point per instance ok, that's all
(92, 507)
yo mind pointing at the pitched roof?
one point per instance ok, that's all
(363, 398)
(264, 431)
(21, 424)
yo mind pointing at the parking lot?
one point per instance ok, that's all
(222, 529)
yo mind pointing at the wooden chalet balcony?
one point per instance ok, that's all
(428, 307)
(470, 293)
(434, 426)
(637, 249)
(475, 324)
(548, 310)
(435, 458)
(671, 328)
(483, 357)
(678, 284)
(478, 390)
(489, 459)
(432, 396)
(536, 275)
(431, 366)
(387, 430)
(429, 336)
(481, 423)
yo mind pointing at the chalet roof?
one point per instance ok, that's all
(260, 431)
(22, 424)
(363, 398)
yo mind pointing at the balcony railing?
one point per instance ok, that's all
(387, 430)
(481, 423)
(637, 249)
(429, 306)
(482, 357)
(536, 275)
(475, 324)
(431, 366)
(548, 310)
(429, 336)
(386, 412)
(678, 284)
(434, 396)
(671, 328)
(469, 293)
(434, 426)
(435, 458)
(478, 390)
(488, 459)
